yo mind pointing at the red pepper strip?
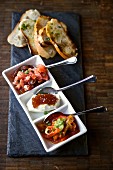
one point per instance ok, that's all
(59, 139)
(52, 133)
(63, 138)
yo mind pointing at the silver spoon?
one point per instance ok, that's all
(51, 90)
(99, 109)
(71, 60)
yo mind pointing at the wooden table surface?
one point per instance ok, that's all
(97, 47)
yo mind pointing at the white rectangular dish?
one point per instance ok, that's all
(34, 117)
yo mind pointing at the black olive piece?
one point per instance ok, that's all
(25, 67)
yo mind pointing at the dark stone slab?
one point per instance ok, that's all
(22, 138)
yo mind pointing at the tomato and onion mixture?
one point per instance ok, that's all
(27, 77)
(59, 127)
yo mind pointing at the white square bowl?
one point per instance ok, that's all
(48, 145)
(35, 60)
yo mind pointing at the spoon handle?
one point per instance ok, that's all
(71, 60)
(94, 110)
(99, 109)
(91, 78)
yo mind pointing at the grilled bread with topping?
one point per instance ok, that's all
(27, 28)
(57, 32)
(16, 37)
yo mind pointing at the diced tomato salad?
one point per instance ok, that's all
(27, 77)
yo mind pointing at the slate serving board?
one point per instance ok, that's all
(22, 138)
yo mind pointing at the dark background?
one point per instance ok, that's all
(97, 48)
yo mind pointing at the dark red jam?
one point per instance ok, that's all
(39, 99)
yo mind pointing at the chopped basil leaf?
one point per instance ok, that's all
(46, 112)
(26, 72)
(24, 27)
(59, 123)
(47, 39)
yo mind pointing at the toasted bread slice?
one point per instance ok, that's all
(43, 39)
(57, 32)
(42, 43)
(27, 28)
(16, 37)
